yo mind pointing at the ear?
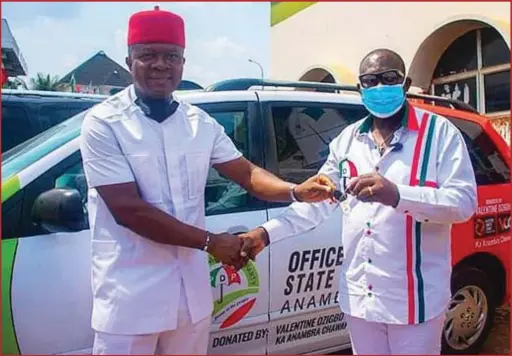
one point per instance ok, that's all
(407, 84)
(128, 62)
(358, 86)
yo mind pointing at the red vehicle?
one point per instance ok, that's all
(481, 247)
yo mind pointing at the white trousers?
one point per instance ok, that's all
(187, 338)
(370, 338)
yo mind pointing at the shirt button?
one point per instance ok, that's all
(369, 294)
(407, 211)
(369, 260)
(370, 287)
(368, 232)
(368, 224)
(426, 220)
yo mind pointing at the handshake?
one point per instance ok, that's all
(236, 250)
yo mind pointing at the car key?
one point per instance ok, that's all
(339, 195)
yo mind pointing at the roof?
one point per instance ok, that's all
(21, 93)
(100, 69)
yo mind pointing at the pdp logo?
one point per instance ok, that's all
(348, 171)
(234, 291)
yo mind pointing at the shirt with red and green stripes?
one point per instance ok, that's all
(397, 263)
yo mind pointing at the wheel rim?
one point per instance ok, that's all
(466, 317)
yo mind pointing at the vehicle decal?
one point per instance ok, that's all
(9, 340)
(10, 187)
(237, 291)
(280, 11)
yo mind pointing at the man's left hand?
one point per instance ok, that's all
(315, 189)
(373, 187)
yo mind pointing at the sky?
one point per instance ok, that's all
(56, 37)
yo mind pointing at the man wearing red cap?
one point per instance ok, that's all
(146, 159)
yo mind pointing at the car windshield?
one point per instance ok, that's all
(30, 151)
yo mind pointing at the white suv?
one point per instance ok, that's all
(285, 302)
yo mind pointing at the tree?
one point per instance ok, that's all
(15, 83)
(46, 83)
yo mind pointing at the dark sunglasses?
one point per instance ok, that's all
(388, 77)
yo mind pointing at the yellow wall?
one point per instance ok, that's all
(339, 34)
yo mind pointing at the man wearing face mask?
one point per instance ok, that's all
(146, 159)
(407, 177)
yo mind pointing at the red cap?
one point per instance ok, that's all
(156, 26)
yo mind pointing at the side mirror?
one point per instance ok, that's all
(59, 210)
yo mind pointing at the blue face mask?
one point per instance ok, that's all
(383, 101)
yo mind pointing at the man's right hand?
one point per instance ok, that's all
(226, 248)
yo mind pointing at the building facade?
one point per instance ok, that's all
(452, 49)
(13, 63)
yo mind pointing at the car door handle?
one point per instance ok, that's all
(235, 230)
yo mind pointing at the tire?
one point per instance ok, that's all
(472, 299)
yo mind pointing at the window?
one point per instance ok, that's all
(303, 134)
(463, 90)
(475, 69)
(497, 92)
(494, 49)
(73, 178)
(51, 115)
(223, 196)
(488, 164)
(16, 127)
(460, 57)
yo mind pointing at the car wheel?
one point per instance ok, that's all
(470, 313)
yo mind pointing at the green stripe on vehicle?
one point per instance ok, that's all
(417, 227)
(10, 187)
(9, 340)
(280, 11)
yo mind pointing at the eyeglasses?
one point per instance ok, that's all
(388, 77)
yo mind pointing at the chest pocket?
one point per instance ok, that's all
(197, 166)
(147, 174)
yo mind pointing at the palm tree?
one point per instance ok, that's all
(46, 83)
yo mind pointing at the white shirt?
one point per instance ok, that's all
(136, 282)
(397, 265)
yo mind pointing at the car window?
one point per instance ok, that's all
(32, 150)
(16, 127)
(52, 114)
(73, 178)
(223, 195)
(303, 134)
(489, 165)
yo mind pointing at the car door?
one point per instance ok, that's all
(48, 292)
(240, 317)
(50, 295)
(304, 269)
